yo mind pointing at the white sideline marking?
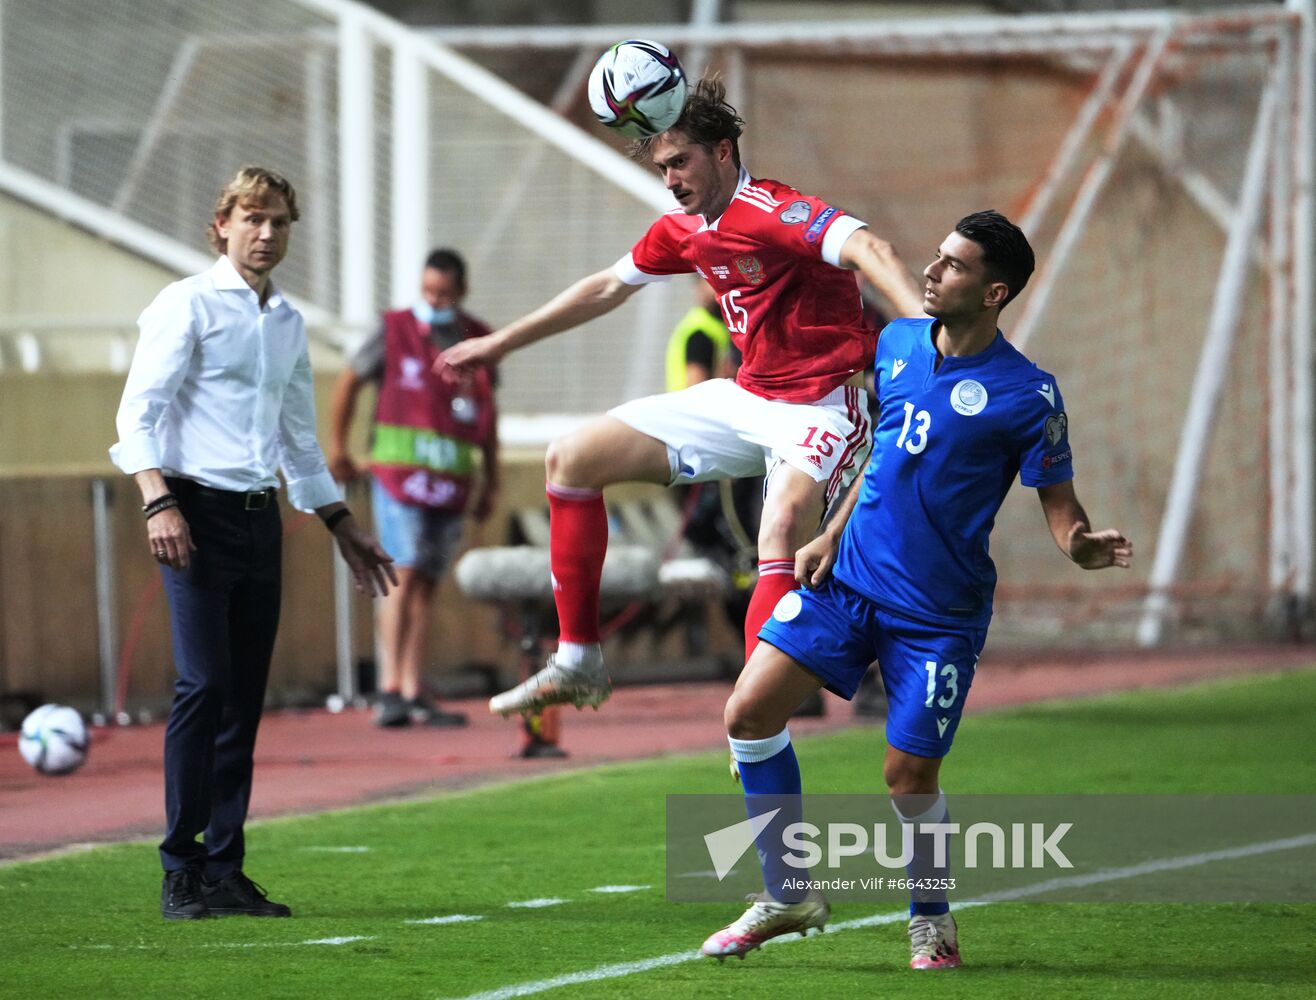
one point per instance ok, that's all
(225, 944)
(452, 918)
(619, 888)
(341, 940)
(620, 969)
(338, 850)
(536, 904)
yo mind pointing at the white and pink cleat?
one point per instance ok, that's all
(934, 942)
(766, 919)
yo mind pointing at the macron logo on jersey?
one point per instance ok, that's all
(1048, 393)
(897, 367)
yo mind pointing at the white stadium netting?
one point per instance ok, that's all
(1151, 157)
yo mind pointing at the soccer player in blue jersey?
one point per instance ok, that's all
(901, 573)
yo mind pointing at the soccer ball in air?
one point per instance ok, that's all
(54, 739)
(638, 88)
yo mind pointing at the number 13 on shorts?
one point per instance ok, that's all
(948, 678)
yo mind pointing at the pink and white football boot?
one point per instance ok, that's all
(934, 942)
(765, 919)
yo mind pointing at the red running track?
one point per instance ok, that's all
(313, 760)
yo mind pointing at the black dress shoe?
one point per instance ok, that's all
(181, 896)
(235, 895)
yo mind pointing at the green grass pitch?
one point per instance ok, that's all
(86, 925)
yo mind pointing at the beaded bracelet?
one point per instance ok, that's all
(332, 520)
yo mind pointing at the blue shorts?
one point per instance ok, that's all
(836, 633)
(418, 538)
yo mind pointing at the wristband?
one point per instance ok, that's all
(333, 519)
(163, 502)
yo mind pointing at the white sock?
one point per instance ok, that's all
(572, 655)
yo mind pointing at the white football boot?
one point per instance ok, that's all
(765, 919)
(934, 942)
(556, 684)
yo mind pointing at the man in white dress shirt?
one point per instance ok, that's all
(219, 398)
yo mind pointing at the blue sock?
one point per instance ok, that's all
(770, 778)
(928, 902)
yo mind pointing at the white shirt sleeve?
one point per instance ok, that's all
(309, 483)
(159, 365)
(626, 271)
(840, 231)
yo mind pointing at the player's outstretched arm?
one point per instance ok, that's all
(877, 260)
(1070, 528)
(587, 299)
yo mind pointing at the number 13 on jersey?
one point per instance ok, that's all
(919, 421)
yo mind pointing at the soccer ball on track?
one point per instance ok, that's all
(637, 88)
(54, 739)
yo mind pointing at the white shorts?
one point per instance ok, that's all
(717, 430)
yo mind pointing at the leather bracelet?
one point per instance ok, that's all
(333, 519)
(163, 502)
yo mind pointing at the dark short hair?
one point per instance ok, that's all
(449, 262)
(706, 119)
(1005, 251)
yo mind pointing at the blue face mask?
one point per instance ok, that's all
(427, 315)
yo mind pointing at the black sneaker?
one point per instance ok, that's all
(391, 711)
(425, 713)
(235, 895)
(181, 896)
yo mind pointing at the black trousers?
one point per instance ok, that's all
(224, 611)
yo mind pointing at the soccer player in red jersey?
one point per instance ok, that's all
(780, 263)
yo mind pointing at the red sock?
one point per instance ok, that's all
(578, 540)
(776, 579)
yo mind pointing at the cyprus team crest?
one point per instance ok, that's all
(968, 397)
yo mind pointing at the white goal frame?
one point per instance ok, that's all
(1128, 47)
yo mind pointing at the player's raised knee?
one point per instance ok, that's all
(563, 461)
(746, 719)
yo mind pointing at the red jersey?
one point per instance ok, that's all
(793, 312)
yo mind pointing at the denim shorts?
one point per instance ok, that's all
(421, 539)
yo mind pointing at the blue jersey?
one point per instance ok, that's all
(947, 445)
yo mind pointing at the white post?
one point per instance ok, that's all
(2, 76)
(737, 79)
(356, 171)
(410, 156)
(1304, 309)
(1212, 368)
(107, 615)
(1102, 92)
(319, 134)
(345, 661)
(703, 14)
(176, 81)
(1280, 436)
(1086, 198)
